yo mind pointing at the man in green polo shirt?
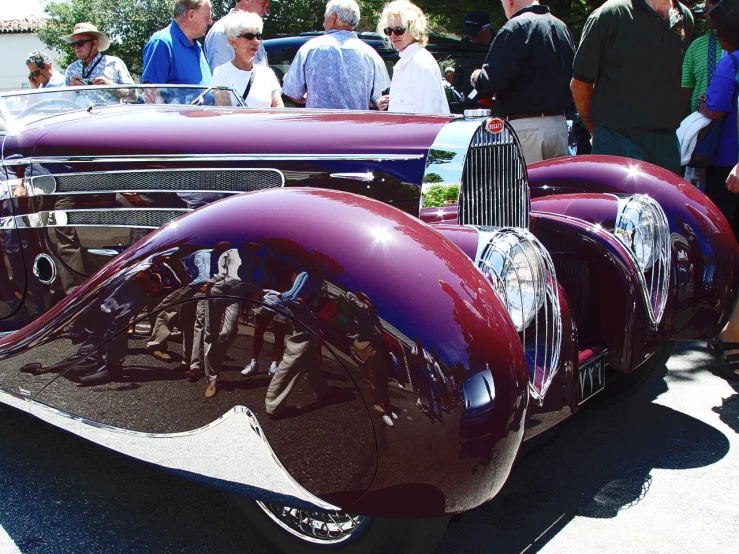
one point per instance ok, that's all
(627, 76)
(700, 64)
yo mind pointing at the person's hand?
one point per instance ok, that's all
(732, 181)
(102, 81)
(152, 96)
(33, 82)
(383, 102)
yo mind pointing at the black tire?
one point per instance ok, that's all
(402, 536)
(620, 386)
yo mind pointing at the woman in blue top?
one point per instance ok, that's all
(726, 345)
(721, 99)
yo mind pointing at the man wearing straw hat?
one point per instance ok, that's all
(93, 67)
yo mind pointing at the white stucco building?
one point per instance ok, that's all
(17, 39)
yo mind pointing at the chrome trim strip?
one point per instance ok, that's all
(103, 252)
(366, 177)
(232, 448)
(216, 158)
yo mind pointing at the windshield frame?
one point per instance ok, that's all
(9, 119)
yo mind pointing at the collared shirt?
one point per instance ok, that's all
(417, 85)
(170, 58)
(635, 59)
(57, 79)
(529, 65)
(101, 65)
(338, 71)
(218, 51)
(696, 65)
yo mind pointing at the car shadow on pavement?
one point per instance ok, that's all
(599, 464)
(61, 494)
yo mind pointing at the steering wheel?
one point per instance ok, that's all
(38, 106)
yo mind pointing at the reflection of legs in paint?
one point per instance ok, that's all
(217, 340)
(162, 329)
(301, 352)
(192, 319)
(262, 320)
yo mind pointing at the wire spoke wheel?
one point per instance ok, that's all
(316, 527)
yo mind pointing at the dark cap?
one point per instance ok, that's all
(474, 22)
(722, 13)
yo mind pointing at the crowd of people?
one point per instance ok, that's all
(635, 70)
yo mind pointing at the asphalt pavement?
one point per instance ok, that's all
(656, 473)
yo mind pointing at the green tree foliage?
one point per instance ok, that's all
(435, 196)
(128, 23)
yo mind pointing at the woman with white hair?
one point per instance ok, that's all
(416, 86)
(256, 84)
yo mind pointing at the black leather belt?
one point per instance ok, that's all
(528, 115)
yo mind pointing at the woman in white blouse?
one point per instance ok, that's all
(416, 86)
(256, 84)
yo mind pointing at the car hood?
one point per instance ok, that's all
(175, 130)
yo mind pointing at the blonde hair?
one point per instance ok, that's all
(412, 17)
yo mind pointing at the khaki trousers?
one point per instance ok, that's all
(541, 138)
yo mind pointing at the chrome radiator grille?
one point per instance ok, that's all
(494, 189)
(211, 180)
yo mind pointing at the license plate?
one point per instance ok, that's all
(592, 376)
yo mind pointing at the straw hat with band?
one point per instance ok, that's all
(89, 29)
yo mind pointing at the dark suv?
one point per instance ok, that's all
(447, 51)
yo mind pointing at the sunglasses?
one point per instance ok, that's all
(399, 31)
(35, 73)
(80, 43)
(252, 36)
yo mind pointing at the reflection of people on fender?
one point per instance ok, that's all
(423, 380)
(365, 336)
(240, 272)
(302, 350)
(262, 318)
(199, 266)
(144, 286)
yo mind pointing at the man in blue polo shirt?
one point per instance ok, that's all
(172, 55)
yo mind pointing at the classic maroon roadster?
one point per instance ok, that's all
(259, 300)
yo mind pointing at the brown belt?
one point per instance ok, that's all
(527, 115)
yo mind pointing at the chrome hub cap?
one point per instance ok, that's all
(316, 527)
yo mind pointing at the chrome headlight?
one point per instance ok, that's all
(517, 273)
(641, 225)
(522, 273)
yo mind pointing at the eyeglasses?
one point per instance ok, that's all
(80, 43)
(399, 31)
(252, 36)
(35, 73)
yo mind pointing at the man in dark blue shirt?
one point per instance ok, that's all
(528, 68)
(172, 55)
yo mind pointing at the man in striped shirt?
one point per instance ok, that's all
(700, 64)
